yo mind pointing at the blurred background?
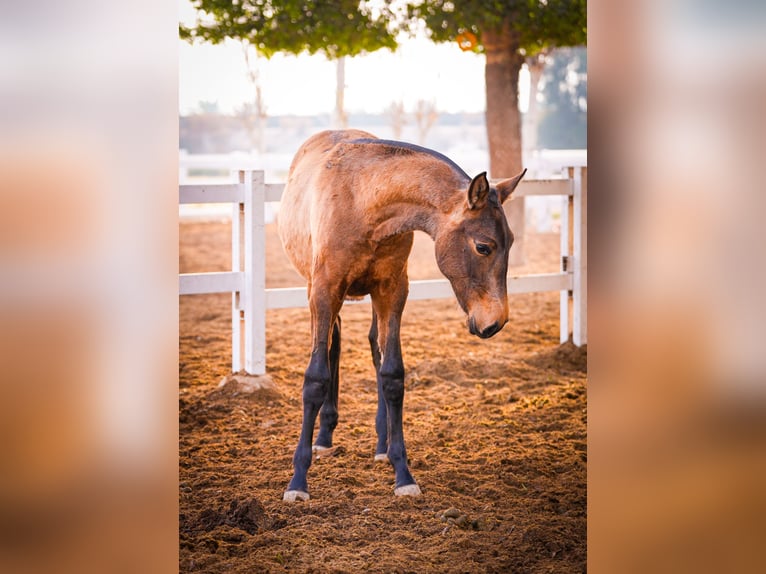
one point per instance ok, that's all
(677, 386)
(101, 107)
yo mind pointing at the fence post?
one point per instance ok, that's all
(566, 261)
(255, 274)
(580, 239)
(237, 216)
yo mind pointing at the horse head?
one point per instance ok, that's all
(472, 252)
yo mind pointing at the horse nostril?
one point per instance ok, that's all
(491, 330)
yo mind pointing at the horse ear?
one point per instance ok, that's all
(506, 187)
(478, 191)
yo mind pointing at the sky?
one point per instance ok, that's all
(305, 85)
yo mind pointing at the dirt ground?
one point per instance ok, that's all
(495, 431)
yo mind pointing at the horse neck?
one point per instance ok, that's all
(417, 198)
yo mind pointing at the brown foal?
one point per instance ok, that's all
(348, 213)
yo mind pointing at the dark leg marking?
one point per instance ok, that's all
(391, 379)
(381, 418)
(316, 386)
(389, 305)
(328, 415)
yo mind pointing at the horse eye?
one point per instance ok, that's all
(483, 249)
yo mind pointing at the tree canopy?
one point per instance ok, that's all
(536, 24)
(336, 29)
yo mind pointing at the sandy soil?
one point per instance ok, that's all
(495, 430)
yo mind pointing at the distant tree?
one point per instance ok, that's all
(205, 132)
(335, 29)
(253, 122)
(425, 116)
(206, 107)
(253, 113)
(536, 66)
(563, 124)
(506, 32)
(395, 112)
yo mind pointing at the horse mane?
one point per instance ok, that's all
(399, 147)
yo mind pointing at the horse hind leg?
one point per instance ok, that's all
(381, 418)
(328, 415)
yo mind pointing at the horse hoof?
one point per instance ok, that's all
(319, 447)
(382, 457)
(408, 490)
(293, 495)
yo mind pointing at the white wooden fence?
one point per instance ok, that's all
(247, 279)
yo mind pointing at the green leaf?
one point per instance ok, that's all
(341, 28)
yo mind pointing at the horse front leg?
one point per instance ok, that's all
(391, 386)
(316, 384)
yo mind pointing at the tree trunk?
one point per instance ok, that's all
(503, 63)
(340, 90)
(258, 131)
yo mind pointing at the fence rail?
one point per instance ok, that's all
(247, 279)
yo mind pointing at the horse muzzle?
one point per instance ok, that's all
(484, 332)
